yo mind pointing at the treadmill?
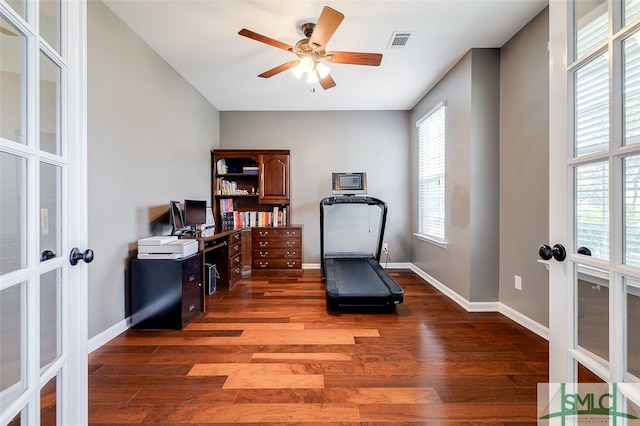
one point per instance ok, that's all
(356, 280)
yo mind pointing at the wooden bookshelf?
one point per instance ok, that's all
(250, 188)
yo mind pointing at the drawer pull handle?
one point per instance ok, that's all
(291, 253)
(291, 243)
(264, 264)
(192, 277)
(237, 259)
(264, 253)
(236, 248)
(263, 233)
(263, 243)
(192, 307)
(291, 264)
(237, 270)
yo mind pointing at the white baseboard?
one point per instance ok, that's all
(96, 341)
(525, 321)
(505, 310)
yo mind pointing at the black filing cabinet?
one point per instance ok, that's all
(166, 293)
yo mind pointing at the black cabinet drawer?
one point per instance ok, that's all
(163, 292)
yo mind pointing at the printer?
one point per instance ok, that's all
(166, 247)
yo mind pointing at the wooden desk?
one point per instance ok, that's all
(222, 248)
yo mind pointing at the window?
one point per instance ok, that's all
(431, 174)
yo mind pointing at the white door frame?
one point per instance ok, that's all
(564, 351)
(70, 367)
(560, 315)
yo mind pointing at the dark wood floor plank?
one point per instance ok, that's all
(268, 352)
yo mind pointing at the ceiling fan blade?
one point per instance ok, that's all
(327, 82)
(327, 24)
(264, 39)
(279, 69)
(354, 58)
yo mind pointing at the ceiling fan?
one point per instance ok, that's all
(312, 50)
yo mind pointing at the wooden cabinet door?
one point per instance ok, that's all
(274, 179)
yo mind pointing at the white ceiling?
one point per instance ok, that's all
(199, 39)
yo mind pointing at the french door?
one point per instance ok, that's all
(595, 191)
(43, 300)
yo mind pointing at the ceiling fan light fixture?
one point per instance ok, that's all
(323, 70)
(312, 77)
(297, 71)
(307, 64)
(311, 52)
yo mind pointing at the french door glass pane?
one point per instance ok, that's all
(12, 81)
(592, 208)
(631, 11)
(48, 402)
(632, 210)
(13, 204)
(592, 107)
(49, 105)
(631, 49)
(50, 22)
(592, 311)
(18, 6)
(633, 326)
(12, 303)
(591, 25)
(49, 316)
(50, 184)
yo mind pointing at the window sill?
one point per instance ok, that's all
(431, 240)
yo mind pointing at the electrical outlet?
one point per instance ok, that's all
(385, 247)
(518, 282)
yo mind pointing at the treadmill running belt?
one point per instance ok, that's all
(360, 282)
(358, 279)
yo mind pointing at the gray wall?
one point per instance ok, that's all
(149, 137)
(485, 174)
(497, 174)
(468, 265)
(524, 165)
(339, 141)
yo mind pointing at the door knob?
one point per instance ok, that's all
(557, 252)
(584, 250)
(46, 255)
(76, 255)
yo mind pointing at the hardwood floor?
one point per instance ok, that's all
(268, 352)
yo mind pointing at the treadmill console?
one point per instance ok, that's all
(343, 183)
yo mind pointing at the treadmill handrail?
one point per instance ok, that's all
(349, 199)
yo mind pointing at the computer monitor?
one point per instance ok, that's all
(195, 212)
(175, 217)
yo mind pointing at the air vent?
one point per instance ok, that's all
(399, 39)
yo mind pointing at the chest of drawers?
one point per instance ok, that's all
(276, 251)
(235, 258)
(166, 294)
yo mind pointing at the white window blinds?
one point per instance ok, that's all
(431, 173)
(591, 124)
